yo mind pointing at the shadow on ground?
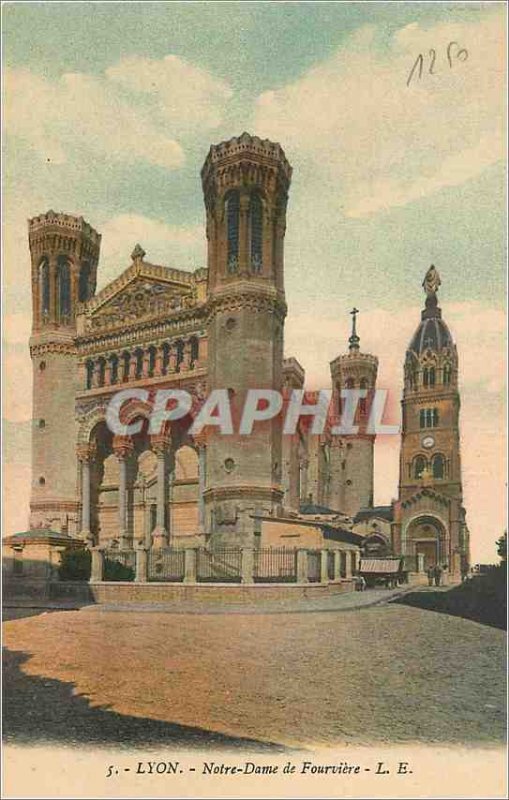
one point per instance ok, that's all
(481, 599)
(42, 710)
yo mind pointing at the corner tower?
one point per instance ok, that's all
(352, 457)
(245, 185)
(430, 517)
(64, 254)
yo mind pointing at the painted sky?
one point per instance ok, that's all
(109, 110)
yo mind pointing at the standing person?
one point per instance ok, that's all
(431, 574)
(438, 575)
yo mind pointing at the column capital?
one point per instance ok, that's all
(200, 441)
(160, 443)
(122, 447)
(86, 452)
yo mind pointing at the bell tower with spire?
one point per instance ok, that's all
(430, 518)
(352, 455)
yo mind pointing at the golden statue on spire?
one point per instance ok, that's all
(431, 281)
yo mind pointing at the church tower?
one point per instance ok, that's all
(351, 457)
(64, 254)
(245, 185)
(430, 518)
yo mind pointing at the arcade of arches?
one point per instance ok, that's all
(141, 487)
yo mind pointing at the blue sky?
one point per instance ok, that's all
(110, 110)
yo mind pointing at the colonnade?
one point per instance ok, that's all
(142, 362)
(123, 448)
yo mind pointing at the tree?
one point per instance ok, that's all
(502, 547)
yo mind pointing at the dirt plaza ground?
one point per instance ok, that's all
(385, 673)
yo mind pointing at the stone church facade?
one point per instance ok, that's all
(220, 327)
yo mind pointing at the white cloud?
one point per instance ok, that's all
(178, 246)
(354, 122)
(133, 113)
(185, 94)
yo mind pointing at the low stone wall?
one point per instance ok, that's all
(252, 594)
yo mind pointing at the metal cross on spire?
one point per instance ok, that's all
(354, 339)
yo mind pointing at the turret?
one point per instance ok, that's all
(352, 456)
(64, 253)
(245, 187)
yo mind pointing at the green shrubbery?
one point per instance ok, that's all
(115, 571)
(75, 565)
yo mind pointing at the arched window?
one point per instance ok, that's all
(139, 364)
(126, 360)
(428, 417)
(44, 286)
(151, 360)
(438, 466)
(166, 357)
(101, 371)
(256, 227)
(419, 466)
(64, 288)
(363, 401)
(194, 350)
(180, 353)
(232, 231)
(90, 373)
(447, 375)
(83, 282)
(428, 376)
(114, 368)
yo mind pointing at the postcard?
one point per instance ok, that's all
(254, 474)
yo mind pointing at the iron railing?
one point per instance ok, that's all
(166, 564)
(221, 565)
(119, 565)
(275, 564)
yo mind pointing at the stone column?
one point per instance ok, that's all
(324, 577)
(96, 571)
(86, 455)
(158, 366)
(337, 565)
(107, 372)
(186, 361)
(190, 565)
(132, 367)
(202, 477)
(247, 565)
(141, 563)
(160, 445)
(146, 364)
(302, 566)
(122, 447)
(348, 565)
(172, 362)
(96, 375)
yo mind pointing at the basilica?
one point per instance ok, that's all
(222, 327)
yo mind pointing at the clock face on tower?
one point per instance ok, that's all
(428, 442)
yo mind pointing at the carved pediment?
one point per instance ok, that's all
(141, 298)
